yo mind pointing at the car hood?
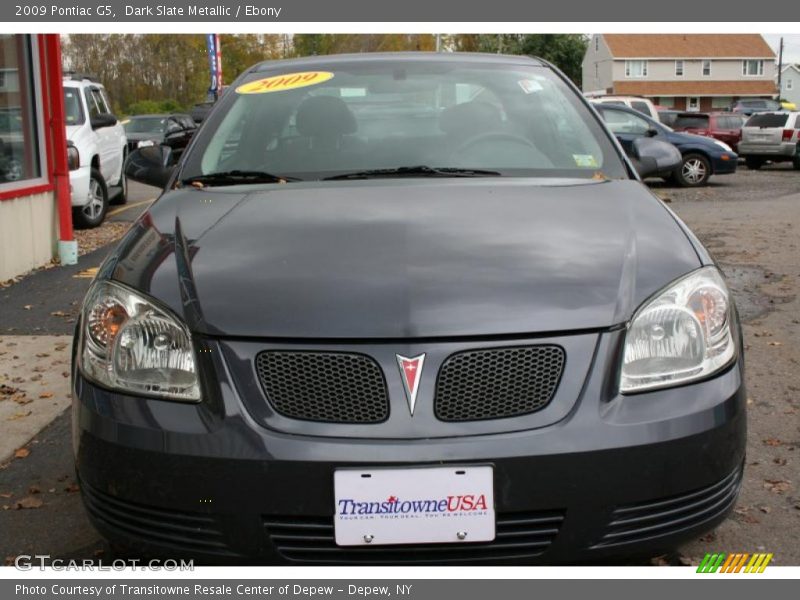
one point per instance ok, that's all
(684, 137)
(405, 258)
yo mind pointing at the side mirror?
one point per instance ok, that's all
(151, 165)
(103, 120)
(653, 157)
(652, 133)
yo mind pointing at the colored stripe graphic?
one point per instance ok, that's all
(734, 563)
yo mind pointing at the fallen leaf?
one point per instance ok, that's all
(28, 502)
(16, 416)
(6, 495)
(775, 344)
(60, 347)
(46, 395)
(22, 399)
(72, 488)
(65, 373)
(34, 489)
(777, 486)
(772, 442)
(28, 306)
(52, 490)
(22, 453)
(660, 561)
(765, 509)
(58, 313)
(42, 355)
(779, 461)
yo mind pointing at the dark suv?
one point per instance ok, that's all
(756, 105)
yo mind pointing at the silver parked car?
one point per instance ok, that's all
(771, 136)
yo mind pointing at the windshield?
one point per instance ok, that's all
(517, 120)
(73, 109)
(691, 122)
(767, 120)
(145, 125)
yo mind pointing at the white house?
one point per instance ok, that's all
(790, 84)
(684, 71)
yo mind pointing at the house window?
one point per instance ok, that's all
(706, 68)
(635, 68)
(692, 104)
(20, 148)
(597, 43)
(678, 68)
(666, 101)
(752, 68)
(789, 84)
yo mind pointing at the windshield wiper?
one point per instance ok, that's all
(416, 171)
(236, 177)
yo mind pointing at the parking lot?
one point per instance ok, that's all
(750, 221)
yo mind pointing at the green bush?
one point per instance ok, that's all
(149, 107)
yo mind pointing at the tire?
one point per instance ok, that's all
(694, 171)
(122, 196)
(754, 163)
(94, 212)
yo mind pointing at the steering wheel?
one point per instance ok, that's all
(492, 135)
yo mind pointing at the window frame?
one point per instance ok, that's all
(10, 190)
(680, 68)
(703, 67)
(629, 72)
(746, 67)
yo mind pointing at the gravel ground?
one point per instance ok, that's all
(750, 222)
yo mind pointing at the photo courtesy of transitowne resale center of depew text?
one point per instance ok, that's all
(361, 301)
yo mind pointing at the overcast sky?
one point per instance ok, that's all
(791, 45)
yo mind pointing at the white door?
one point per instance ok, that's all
(692, 104)
(110, 155)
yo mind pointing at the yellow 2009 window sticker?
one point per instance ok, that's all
(280, 83)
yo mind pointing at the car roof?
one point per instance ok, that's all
(454, 57)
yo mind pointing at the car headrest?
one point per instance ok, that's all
(470, 118)
(325, 116)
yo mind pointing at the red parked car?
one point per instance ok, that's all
(725, 127)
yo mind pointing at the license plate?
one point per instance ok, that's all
(426, 505)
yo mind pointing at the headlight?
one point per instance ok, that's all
(723, 145)
(132, 345)
(145, 144)
(681, 335)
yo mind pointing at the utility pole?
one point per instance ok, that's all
(780, 70)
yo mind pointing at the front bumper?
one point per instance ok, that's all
(724, 166)
(616, 475)
(79, 185)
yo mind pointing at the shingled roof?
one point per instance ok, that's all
(680, 45)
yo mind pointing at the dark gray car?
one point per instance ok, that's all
(407, 308)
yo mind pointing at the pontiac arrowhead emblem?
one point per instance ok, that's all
(411, 371)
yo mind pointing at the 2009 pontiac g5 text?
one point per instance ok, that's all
(407, 308)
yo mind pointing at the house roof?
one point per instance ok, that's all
(679, 45)
(695, 88)
(791, 66)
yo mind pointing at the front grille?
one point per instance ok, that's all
(519, 536)
(182, 530)
(647, 520)
(330, 387)
(497, 383)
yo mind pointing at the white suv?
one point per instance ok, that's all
(773, 136)
(96, 151)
